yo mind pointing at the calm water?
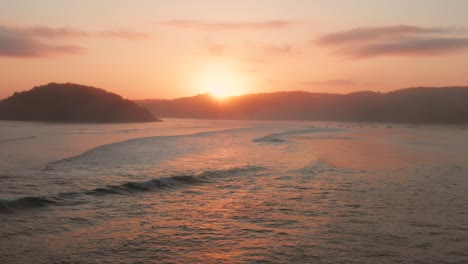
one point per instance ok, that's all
(195, 191)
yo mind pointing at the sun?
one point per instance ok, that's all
(223, 86)
(220, 82)
(220, 92)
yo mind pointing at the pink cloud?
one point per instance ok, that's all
(373, 33)
(401, 40)
(123, 34)
(48, 32)
(410, 47)
(278, 49)
(218, 26)
(36, 41)
(17, 43)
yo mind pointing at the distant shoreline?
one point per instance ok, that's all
(445, 105)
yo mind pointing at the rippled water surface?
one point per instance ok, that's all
(195, 191)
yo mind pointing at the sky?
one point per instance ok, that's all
(168, 49)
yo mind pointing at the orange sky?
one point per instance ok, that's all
(167, 49)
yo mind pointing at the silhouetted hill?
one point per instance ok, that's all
(412, 105)
(72, 103)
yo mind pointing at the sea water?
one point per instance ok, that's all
(208, 191)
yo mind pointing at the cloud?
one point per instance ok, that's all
(411, 47)
(374, 33)
(278, 49)
(400, 40)
(263, 53)
(334, 82)
(253, 53)
(123, 34)
(16, 43)
(35, 41)
(65, 32)
(48, 32)
(218, 26)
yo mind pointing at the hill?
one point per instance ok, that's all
(412, 105)
(72, 103)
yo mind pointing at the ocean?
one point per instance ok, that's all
(214, 191)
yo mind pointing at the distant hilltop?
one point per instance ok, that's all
(68, 102)
(445, 105)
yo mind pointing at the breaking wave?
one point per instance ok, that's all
(16, 139)
(7, 206)
(128, 188)
(111, 151)
(279, 137)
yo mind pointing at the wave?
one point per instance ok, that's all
(3, 176)
(129, 130)
(106, 149)
(133, 187)
(7, 206)
(320, 167)
(278, 137)
(270, 138)
(16, 139)
(127, 188)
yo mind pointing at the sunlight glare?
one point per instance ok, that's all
(220, 82)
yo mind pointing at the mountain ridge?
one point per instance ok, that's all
(69, 102)
(409, 105)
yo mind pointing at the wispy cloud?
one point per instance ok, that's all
(16, 42)
(253, 53)
(218, 26)
(411, 47)
(263, 53)
(41, 41)
(123, 34)
(278, 49)
(375, 33)
(400, 40)
(48, 32)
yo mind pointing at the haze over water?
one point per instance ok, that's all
(192, 191)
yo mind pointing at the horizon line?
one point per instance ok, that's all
(247, 94)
